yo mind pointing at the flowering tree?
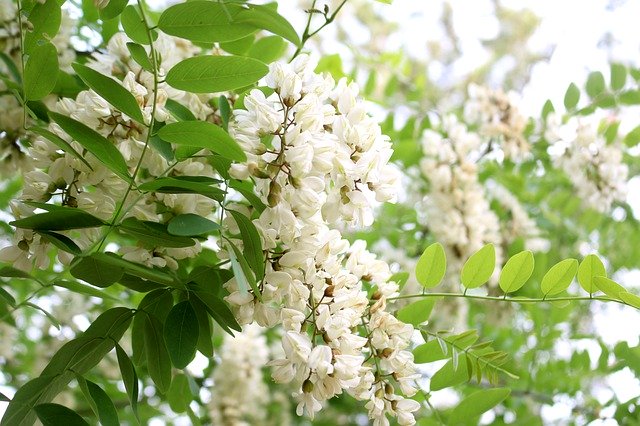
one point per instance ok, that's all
(191, 196)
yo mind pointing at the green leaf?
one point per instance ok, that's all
(191, 225)
(204, 21)
(140, 55)
(113, 9)
(205, 344)
(95, 143)
(268, 49)
(571, 97)
(158, 359)
(479, 267)
(558, 278)
(134, 26)
(185, 185)
(633, 137)
(428, 352)
(431, 266)
(77, 287)
(55, 415)
(630, 97)
(129, 378)
(217, 308)
(58, 220)
(595, 84)
(630, 299)
(239, 46)
(153, 234)
(96, 269)
(179, 395)
(609, 287)
(618, 76)
(156, 303)
(266, 18)
(179, 111)
(203, 134)
(449, 376)
(107, 413)
(516, 272)
(41, 72)
(111, 90)
(252, 243)
(242, 271)
(590, 267)
(225, 111)
(418, 312)
(44, 20)
(60, 241)
(476, 404)
(4, 398)
(210, 74)
(60, 143)
(181, 334)
(11, 272)
(547, 108)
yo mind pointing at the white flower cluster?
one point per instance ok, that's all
(97, 190)
(457, 208)
(239, 393)
(316, 158)
(595, 168)
(497, 116)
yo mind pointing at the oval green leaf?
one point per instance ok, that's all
(41, 72)
(417, 313)
(203, 134)
(479, 267)
(210, 74)
(571, 97)
(58, 220)
(129, 378)
(477, 403)
(190, 224)
(558, 278)
(204, 21)
(96, 270)
(609, 287)
(590, 268)
(431, 266)
(516, 271)
(266, 18)
(44, 19)
(55, 415)
(158, 359)
(181, 334)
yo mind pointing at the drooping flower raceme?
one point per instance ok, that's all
(317, 158)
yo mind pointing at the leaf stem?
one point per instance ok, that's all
(307, 33)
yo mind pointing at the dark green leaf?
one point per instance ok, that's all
(191, 225)
(204, 21)
(205, 344)
(111, 90)
(153, 234)
(41, 71)
(217, 308)
(96, 269)
(225, 111)
(179, 111)
(95, 143)
(107, 413)
(428, 352)
(61, 241)
(158, 360)
(60, 143)
(252, 243)
(77, 287)
(448, 376)
(181, 334)
(140, 55)
(56, 415)
(203, 134)
(58, 220)
(210, 74)
(129, 378)
(184, 185)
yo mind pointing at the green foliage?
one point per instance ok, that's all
(181, 334)
(590, 267)
(558, 278)
(571, 97)
(470, 408)
(55, 414)
(41, 72)
(207, 74)
(479, 267)
(516, 272)
(416, 313)
(201, 134)
(431, 266)
(44, 20)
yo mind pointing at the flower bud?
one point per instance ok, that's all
(274, 193)
(307, 386)
(328, 292)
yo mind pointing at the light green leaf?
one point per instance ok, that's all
(516, 271)
(41, 72)
(268, 49)
(111, 90)
(113, 9)
(134, 26)
(181, 334)
(618, 76)
(204, 21)
(630, 299)
(558, 278)
(190, 224)
(609, 287)
(630, 97)
(431, 266)
(211, 74)
(55, 415)
(266, 18)
(595, 84)
(571, 97)
(238, 47)
(633, 137)
(95, 143)
(44, 20)
(58, 220)
(449, 376)
(479, 267)
(428, 352)
(418, 312)
(179, 395)
(203, 134)
(476, 404)
(590, 267)
(140, 55)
